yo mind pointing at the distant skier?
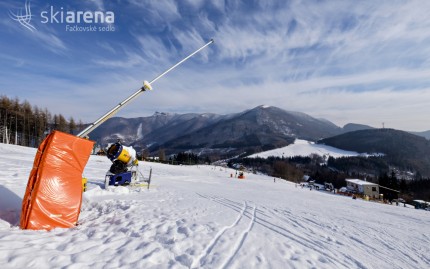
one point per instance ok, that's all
(274, 180)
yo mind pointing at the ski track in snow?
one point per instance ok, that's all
(267, 219)
(199, 217)
(223, 239)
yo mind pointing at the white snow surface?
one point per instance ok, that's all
(200, 217)
(302, 147)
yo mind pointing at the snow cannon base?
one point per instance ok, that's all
(132, 178)
(120, 179)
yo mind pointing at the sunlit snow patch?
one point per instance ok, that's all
(306, 148)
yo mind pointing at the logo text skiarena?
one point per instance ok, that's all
(73, 20)
(61, 16)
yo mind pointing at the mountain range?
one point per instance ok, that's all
(254, 130)
(260, 128)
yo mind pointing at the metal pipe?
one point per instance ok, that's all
(114, 110)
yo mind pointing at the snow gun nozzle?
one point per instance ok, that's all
(146, 86)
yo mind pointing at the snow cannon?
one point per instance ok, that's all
(123, 170)
(122, 157)
(122, 154)
(53, 195)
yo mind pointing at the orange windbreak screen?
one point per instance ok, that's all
(54, 190)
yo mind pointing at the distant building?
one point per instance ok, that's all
(363, 187)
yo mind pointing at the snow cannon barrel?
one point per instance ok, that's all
(118, 152)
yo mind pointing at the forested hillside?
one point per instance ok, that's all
(26, 125)
(401, 149)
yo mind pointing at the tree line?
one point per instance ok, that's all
(181, 158)
(27, 125)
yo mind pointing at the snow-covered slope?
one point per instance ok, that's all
(305, 148)
(199, 217)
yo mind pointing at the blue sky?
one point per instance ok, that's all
(365, 62)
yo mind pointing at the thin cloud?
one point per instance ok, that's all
(51, 41)
(107, 46)
(191, 40)
(158, 11)
(131, 60)
(98, 3)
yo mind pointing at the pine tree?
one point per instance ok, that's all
(72, 125)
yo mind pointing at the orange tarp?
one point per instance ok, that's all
(54, 190)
